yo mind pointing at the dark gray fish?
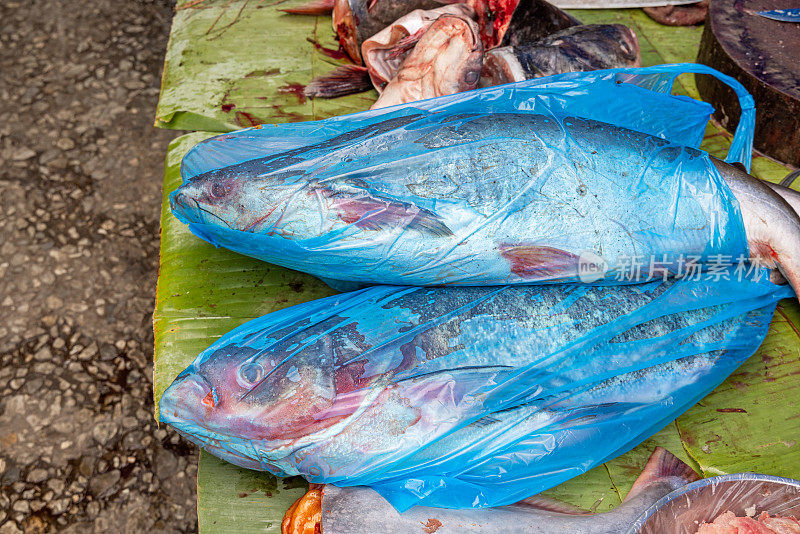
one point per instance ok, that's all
(576, 49)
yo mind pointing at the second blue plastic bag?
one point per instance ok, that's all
(522, 183)
(465, 397)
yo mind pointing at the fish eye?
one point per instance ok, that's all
(249, 373)
(471, 77)
(218, 190)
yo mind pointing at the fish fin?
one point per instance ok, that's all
(373, 212)
(539, 262)
(314, 7)
(430, 223)
(548, 504)
(405, 44)
(344, 80)
(662, 464)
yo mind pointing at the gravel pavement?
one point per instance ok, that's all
(80, 174)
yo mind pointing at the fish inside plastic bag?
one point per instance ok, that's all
(465, 397)
(520, 183)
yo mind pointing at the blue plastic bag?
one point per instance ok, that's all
(465, 397)
(522, 183)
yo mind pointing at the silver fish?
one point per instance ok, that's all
(485, 211)
(361, 510)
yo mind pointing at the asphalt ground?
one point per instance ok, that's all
(80, 174)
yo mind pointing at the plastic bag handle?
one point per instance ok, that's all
(741, 149)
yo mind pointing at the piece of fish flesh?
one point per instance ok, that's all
(487, 198)
(314, 7)
(446, 60)
(361, 510)
(729, 523)
(428, 385)
(580, 48)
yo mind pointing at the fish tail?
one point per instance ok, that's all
(539, 262)
(344, 80)
(314, 7)
(662, 464)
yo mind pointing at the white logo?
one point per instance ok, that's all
(591, 267)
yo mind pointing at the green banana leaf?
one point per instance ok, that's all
(235, 63)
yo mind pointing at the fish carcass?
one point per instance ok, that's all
(500, 22)
(580, 48)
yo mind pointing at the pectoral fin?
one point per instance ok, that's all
(535, 262)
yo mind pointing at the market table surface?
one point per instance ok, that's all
(235, 63)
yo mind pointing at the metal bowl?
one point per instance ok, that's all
(744, 494)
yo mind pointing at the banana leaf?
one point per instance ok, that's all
(236, 63)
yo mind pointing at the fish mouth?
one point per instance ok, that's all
(224, 447)
(188, 209)
(181, 407)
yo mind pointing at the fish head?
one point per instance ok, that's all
(230, 198)
(235, 392)
(446, 60)
(459, 58)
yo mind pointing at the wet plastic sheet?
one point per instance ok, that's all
(519, 183)
(465, 397)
